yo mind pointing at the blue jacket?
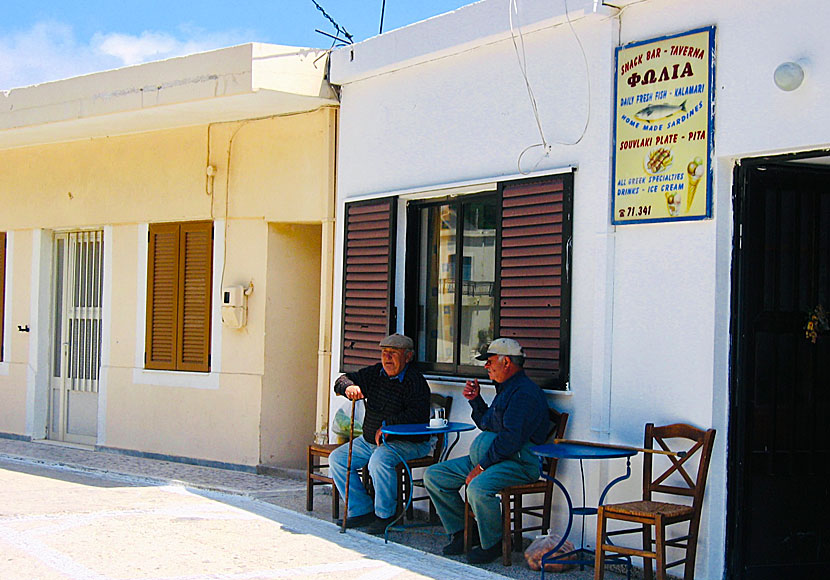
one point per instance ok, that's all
(518, 414)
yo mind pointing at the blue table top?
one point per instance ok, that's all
(424, 429)
(579, 451)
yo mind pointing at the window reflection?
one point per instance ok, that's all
(456, 304)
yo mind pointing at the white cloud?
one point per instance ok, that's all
(50, 51)
(136, 49)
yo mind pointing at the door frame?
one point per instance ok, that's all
(736, 449)
(62, 434)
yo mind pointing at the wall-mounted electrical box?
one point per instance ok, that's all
(235, 305)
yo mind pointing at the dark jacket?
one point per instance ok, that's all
(519, 414)
(389, 399)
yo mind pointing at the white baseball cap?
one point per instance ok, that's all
(502, 346)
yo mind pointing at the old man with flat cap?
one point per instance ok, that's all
(394, 392)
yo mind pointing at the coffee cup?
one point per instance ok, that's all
(437, 422)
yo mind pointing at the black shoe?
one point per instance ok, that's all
(456, 545)
(378, 527)
(483, 555)
(358, 521)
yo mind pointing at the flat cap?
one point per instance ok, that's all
(397, 341)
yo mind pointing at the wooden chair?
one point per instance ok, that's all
(404, 485)
(697, 445)
(512, 508)
(317, 453)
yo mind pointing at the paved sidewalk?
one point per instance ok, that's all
(286, 490)
(152, 470)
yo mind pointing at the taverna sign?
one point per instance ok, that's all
(663, 119)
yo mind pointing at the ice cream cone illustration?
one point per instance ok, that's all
(673, 201)
(694, 172)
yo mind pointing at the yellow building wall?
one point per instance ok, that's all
(289, 387)
(13, 384)
(280, 170)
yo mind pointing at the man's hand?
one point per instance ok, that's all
(378, 437)
(353, 393)
(471, 390)
(477, 470)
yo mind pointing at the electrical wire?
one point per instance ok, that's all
(521, 56)
(337, 27)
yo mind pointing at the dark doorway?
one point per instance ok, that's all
(780, 385)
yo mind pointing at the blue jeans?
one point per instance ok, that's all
(382, 462)
(444, 480)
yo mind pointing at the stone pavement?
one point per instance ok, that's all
(282, 488)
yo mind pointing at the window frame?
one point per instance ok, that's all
(177, 362)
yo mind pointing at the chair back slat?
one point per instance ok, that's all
(438, 400)
(672, 490)
(559, 421)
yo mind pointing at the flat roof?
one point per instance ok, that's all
(241, 82)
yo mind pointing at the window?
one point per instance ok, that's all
(455, 300)
(512, 279)
(179, 275)
(2, 288)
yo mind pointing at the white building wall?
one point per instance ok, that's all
(650, 303)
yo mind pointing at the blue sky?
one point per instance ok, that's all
(54, 39)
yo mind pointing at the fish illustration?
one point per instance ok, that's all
(658, 112)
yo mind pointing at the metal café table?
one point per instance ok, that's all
(581, 451)
(410, 429)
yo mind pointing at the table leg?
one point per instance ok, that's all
(582, 511)
(621, 557)
(447, 450)
(548, 557)
(408, 497)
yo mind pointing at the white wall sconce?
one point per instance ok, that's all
(788, 76)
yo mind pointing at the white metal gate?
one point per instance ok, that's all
(76, 339)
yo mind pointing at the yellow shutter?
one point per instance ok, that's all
(162, 296)
(195, 274)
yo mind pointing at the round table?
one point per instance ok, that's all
(409, 429)
(581, 451)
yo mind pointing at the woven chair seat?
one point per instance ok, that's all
(644, 509)
(534, 487)
(323, 449)
(421, 462)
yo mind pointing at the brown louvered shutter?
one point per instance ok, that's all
(534, 305)
(2, 288)
(196, 266)
(162, 296)
(368, 268)
(179, 272)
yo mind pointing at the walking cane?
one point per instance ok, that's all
(348, 470)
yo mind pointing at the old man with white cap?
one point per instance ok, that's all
(499, 456)
(394, 392)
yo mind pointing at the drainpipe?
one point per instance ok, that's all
(321, 427)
